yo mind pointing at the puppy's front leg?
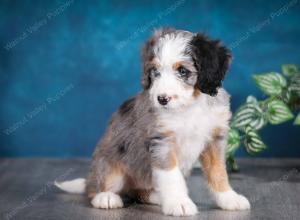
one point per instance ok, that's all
(170, 184)
(173, 192)
(213, 165)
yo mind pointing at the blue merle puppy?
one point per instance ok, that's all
(181, 116)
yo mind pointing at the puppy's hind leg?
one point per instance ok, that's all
(105, 183)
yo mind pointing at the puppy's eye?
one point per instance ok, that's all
(155, 73)
(183, 72)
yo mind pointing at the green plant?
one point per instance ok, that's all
(282, 99)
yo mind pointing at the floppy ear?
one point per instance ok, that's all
(212, 61)
(147, 56)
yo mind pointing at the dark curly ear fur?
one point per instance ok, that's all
(148, 55)
(212, 61)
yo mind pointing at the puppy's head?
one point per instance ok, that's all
(179, 65)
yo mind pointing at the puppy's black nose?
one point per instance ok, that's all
(163, 99)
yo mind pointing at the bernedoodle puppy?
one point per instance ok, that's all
(152, 141)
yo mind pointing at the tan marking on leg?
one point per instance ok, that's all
(172, 155)
(173, 159)
(214, 169)
(112, 182)
(169, 134)
(169, 163)
(91, 195)
(217, 133)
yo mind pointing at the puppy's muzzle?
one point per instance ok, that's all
(163, 99)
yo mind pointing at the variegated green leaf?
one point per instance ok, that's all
(233, 142)
(297, 120)
(278, 112)
(295, 84)
(270, 83)
(253, 142)
(286, 95)
(289, 69)
(251, 99)
(249, 114)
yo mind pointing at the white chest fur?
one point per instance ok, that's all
(193, 127)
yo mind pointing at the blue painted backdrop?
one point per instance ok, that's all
(66, 65)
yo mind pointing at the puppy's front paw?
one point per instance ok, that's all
(179, 207)
(230, 200)
(107, 200)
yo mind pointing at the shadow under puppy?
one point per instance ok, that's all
(152, 141)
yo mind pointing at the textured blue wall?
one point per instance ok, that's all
(65, 66)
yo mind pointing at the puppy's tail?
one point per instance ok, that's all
(76, 186)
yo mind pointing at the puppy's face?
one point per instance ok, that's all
(172, 72)
(179, 65)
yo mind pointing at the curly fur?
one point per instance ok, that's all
(150, 146)
(212, 61)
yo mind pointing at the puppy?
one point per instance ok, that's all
(152, 141)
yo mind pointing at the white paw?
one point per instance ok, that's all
(230, 200)
(107, 200)
(154, 198)
(179, 207)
